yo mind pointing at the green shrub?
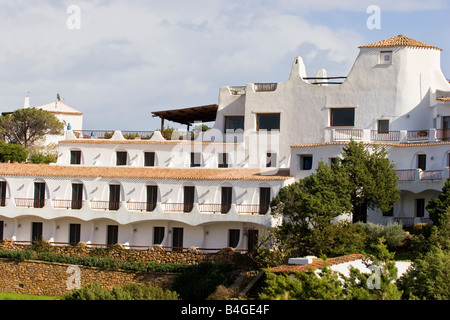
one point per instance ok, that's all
(16, 255)
(43, 158)
(200, 281)
(393, 234)
(112, 264)
(132, 291)
(12, 152)
(129, 291)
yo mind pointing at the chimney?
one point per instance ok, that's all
(302, 261)
(26, 103)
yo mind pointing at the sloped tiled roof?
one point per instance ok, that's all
(316, 264)
(59, 107)
(42, 170)
(400, 41)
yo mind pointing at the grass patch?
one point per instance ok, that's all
(21, 296)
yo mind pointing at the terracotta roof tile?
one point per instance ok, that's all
(129, 141)
(316, 264)
(42, 170)
(400, 41)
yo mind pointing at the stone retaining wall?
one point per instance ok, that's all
(56, 279)
(154, 253)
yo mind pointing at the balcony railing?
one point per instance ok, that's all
(348, 134)
(418, 135)
(214, 208)
(406, 175)
(252, 209)
(105, 205)
(67, 204)
(376, 135)
(177, 207)
(265, 87)
(141, 206)
(431, 175)
(30, 202)
(442, 134)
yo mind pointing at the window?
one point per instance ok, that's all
(264, 200)
(383, 126)
(196, 159)
(335, 161)
(2, 194)
(420, 208)
(385, 57)
(114, 197)
(233, 237)
(177, 239)
(77, 195)
(306, 162)
(121, 158)
(112, 236)
(389, 213)
(252, 240)
(158, 235)
(74, 233)
(271, 160)
(226, 199)
(188, 199)
(2, 226)
(422, 161)
(233, 123)
(36, 231)
(223, 160)
(75, 157)
(39, 194)
(342, 117)
(268, 121)
(152, 196)
(149, 159)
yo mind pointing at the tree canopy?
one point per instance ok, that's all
(28, 126)
(364, 178)
(373, 179)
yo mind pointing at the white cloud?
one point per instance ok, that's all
(134, 57)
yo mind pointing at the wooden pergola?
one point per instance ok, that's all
(188, 116)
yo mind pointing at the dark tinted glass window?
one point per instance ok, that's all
(343, 117)
(269, 121)
(234, 123)
(75, 157)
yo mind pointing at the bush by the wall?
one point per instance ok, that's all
(130, 291)
(200, 281)
(16, 255)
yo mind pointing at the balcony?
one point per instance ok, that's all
(107, 134)
(30, 202)
(105, 205)
(252, 209)
(214, 208)
(376, 135)
(418, 180)
(141, 206)
(67, 204)
(399, 136)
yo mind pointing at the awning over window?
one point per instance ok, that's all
(189, 116)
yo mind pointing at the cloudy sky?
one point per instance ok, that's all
(121, 60)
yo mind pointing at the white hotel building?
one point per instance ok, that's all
(213, 191)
